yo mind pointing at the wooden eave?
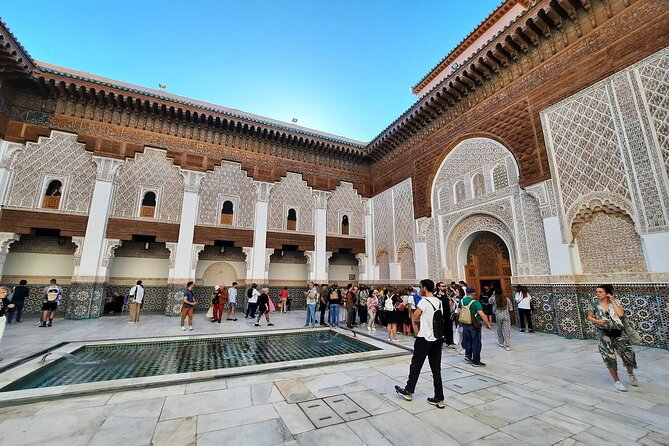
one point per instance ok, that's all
(534, 25)
(14, 59)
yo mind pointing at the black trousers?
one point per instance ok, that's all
(525, 315)
(432, 351)
(323, 307)
(350, 318)
(18, 311)
(251, 309)
(362, 313)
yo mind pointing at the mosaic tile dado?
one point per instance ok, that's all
(562, 309)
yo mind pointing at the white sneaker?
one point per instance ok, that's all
(373, 329)
(369, 328)
(633, 381)
(508, 349)
(618, 385)
(183, 328)
(500, 344)
(460, 351)
(190, 328)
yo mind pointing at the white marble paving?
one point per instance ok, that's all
(551, 391)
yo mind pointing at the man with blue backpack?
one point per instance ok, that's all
(429, 318)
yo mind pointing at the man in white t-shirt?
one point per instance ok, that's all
(232, 301)
(135, 299)
(425, 346)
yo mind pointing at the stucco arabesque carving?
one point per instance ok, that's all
(422, 226)
(6, 239)
(264, 188)
(195, 255)
(110, 246)
(321, 198)
(79, 243)
(106, 168)
(545, 195)
(362, 260)
(192, 180)
(592, 199)
(173, 252)
(310, 255)
(8, 151)
(248, 252)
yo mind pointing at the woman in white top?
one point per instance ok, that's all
(524, 301)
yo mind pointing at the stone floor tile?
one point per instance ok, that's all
(149, 408)
(368, 433)
(654, 439)
(264, 433)
(563, 422)
(399, 426)
(458, 426)
(206, 386)
(597, 437)
(498, 439)
(294, 391)
(180, 431)
(504, 409)
(233, 418)
(125, 431)
(602, 418)
(417, 405)
(320, 413)
(74, 403)
(265, 393)
(208, 402)
(372, 402)
(330, 436)
(331, 384)
(291, 414)
(535, 432)
(141, 394)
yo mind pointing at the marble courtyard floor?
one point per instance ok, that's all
(546, 390)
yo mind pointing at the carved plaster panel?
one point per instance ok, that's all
(248, 252)
(192, 180)
(292, 192)
(150, 170)
(195, 254)
(226, 181)
(173, 252)
(79, 243)
(59, 157)
(382, 218)
(345, 200)
(403, 220)
(362, 260)
(6, 239)
(108, 249)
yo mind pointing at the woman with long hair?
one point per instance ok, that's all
(372, 307)
(501, 306)
(392, 314)
(524, 301)
(609, 317)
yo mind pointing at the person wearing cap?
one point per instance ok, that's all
(471, 333)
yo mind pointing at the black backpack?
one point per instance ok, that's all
(438, 324)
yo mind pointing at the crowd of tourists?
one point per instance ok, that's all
(409, 311)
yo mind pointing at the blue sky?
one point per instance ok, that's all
(343, 67)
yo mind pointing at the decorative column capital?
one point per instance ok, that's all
(248, 251)
(106, 168)
(6, 239)
(263, 189)
(362, 260)
(368, 206)
(321, 199)
(311, 256)
(192, 180)
(328, 254)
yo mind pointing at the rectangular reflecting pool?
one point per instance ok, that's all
(105, 362)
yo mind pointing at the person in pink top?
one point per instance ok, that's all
(372, 307)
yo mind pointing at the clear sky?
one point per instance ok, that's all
(339, 66)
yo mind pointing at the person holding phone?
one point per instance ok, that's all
(608, 316)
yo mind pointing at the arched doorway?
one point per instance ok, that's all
(488, 263)
(219, 273)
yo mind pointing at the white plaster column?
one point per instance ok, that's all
(559, 253)
(321, 274)
(395, 271)
(183, 271)
(260, 262)
(362, 267)
(7, 152)
(94, 246)
(372, 271)
(420, 249)
(656, 252)
(6, 239)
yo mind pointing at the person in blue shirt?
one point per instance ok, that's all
(188, 302)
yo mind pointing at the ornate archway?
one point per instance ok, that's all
(219, 273)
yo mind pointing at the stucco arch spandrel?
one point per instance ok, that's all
(432, 169)
(476, 223)
(591, 201)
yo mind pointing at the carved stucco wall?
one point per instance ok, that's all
(609, 143)
(502, 207)
(345, 200)
(227, 182)
(407, 264)
(153, 171)
(59, 157)
(392, 220)
(608, 244)
(292, 192)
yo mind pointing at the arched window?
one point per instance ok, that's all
(499, 177)
(344, 225)
(478, 185)
(442, 196)
(227, 212)
(459, 192)
(52, 196)
(292, 220)
(148, 208)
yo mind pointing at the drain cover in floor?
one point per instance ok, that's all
(346, 408)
